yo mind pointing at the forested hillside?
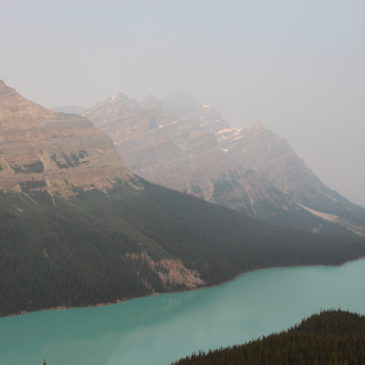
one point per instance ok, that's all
(328, 338)
(134, 240)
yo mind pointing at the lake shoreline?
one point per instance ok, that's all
(118, 301)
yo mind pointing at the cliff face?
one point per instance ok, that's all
(157, 145)
(184, 145)
(45, 150)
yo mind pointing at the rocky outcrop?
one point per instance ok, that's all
(171, 272)
(184, 145)
(44, 150)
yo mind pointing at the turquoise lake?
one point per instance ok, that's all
(160, 329)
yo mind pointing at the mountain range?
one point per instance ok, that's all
(78, 228)
(182, 144)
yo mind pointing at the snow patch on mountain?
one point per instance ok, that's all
(229, 134)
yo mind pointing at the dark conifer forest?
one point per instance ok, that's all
(328, 338)
(101, 246)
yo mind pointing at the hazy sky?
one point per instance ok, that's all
(296, 66)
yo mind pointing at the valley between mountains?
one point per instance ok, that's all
(78, 227)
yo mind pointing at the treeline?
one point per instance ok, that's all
(77, 251)
(328, 338)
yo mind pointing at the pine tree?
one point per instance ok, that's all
(333, 359)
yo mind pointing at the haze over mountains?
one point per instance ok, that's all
(118, 196)
(78, 228)
(179, 143)
(44, 150)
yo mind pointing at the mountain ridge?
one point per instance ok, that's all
(179, 143)
(110, 235)
(43, 149)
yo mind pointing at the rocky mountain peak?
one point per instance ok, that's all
(5, 89)
(3, 86)
(188, 146)
(119, 98)
(16, 112)
(45, 150)
(181, 104)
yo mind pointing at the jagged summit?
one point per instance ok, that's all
(45, 150)
(17, 112)
(119, 97)
(4, 88)
(185, 145)
(184, 106)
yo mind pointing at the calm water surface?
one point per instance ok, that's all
(158, 330)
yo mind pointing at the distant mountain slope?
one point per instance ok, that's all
(328, 338)
(184, 145)
(275, 161)
(78, 228)
(56, 152)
